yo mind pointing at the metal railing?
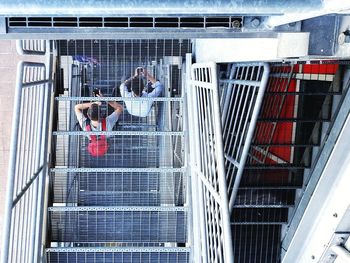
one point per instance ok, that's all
(241, 97)
(212, 240)
(22, 233)
(31, 47)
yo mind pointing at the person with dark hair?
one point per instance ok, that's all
(135, 87)
(94, 122)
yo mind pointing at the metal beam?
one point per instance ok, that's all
(121, 133)
(118, 249)
(144, 7)
(116, 170)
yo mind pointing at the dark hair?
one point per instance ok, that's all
(135, 84)
(94, 112)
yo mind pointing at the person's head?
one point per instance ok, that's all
(94, 112)
(135, 84)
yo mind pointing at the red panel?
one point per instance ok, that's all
(320, 68)
(283, 131)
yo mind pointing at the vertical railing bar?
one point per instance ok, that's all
(228, 121)
(209, 109)
(218, 237)
(26, 171)
(210, 226)
(246, 120)
(206, 123)
(228, 97)
(229, 178)
(15, 248)
(221, 170)
(240, 119)
(32, 144)
(20, 172)
(208, 233)
(250, 134)
(36, 45)
(194, 98)
(47, 106)
(32, 44)
(263, 127)
(209, 163)
(37, 164)
(202, 166)
(235, 115)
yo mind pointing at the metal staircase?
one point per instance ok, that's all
(300, 102)
(129, 205)
(215, 173)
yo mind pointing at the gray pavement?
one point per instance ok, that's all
(8, 66)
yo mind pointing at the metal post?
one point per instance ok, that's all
(47, 106)
(38, 164)
(196, 248)
(221, 170)
(197, 181)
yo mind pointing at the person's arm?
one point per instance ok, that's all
(78, 109)
(158, 90)
(82, 106)
(118, 108)
(149, 76)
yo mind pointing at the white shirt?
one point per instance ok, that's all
(141, 108)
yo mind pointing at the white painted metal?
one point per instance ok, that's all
(242, 95)
(325, 211)
(31, 47)
(27, 168)
(342, 253)
(207, 169)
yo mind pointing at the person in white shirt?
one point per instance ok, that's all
(134, 87)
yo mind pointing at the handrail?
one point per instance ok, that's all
(240, 106)
(27, 164)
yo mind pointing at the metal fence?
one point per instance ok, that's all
(22, 236)
(209, 191)
(242, 92)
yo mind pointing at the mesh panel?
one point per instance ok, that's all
(124, 188)
(118, 257)
(118, 226)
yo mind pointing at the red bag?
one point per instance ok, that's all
(98, 145)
